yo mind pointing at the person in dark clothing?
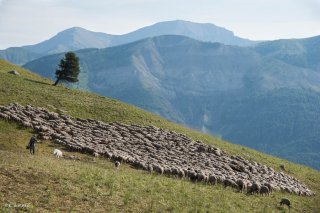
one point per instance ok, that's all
(31, 145)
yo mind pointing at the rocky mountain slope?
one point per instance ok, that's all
(237, 93)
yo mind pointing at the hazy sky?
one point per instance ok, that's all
(25, 22)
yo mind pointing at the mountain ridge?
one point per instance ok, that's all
(298, 52)
(76, 38)
(198, 31)
(71, 39)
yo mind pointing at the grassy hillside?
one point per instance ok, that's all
(45, 184)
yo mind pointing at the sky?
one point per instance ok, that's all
(24, 22)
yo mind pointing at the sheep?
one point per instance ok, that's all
(285, 201)
(192, 175)
(149, 168)
(96, 154)
(174, 171)
(212, 179)
(230, 183)
(270, 186)
(181, 173)
(220, 178)
(158, 169)
(287, 189)
(201, 177)
(57, 153)
(255, 188)
(297, 191)
(242, 185)
(264, 190)
(117, 164)
(27, 124)
(4, 116)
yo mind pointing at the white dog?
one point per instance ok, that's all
(57, 153)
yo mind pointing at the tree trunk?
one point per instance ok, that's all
(57, 81)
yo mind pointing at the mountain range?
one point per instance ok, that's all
(78, 38)
(265, 96)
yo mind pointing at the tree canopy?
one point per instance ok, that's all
(69, 68)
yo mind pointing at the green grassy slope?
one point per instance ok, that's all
(46, 184)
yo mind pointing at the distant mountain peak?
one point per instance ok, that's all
(199, 31)
(191, 23)
(78, 30)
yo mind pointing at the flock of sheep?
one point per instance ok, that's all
(155, 150)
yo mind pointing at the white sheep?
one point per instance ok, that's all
(57, 153)
(117, 164)
(96, 154)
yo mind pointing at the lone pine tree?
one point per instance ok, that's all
(69, 68)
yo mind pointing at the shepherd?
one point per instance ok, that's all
(31, 145)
